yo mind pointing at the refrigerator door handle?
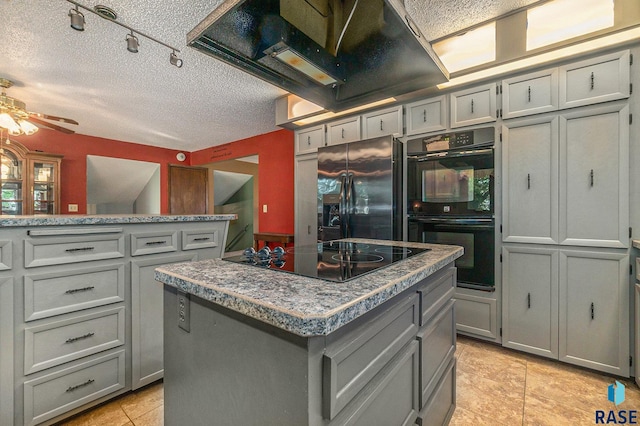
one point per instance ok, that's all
(342, 205)
(349, 203)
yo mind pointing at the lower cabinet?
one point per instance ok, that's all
(566, 304)
(147, 363)
(6, 350)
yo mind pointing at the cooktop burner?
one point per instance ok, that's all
(336, 261)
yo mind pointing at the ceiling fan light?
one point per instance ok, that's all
(9, 123)
(77, 19)
(132, 43)
(27, 127)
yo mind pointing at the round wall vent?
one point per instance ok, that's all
(105, 11)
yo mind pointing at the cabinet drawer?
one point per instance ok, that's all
(309, 140)
(436, 294)
(382, 123)
(49, 396)
(351, 362)
(473, 106)
(154, 242)
(427, 116)
(437, 347)
(200, 239)
(52, 294)
(391, 398)
(5, 255)
(43, 251)
(442, 404)
(601, 79)
(530, 94)
(62, 341)
(343, 131)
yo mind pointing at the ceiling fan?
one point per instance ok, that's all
(17, 120)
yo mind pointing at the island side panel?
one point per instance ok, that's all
(227, 371)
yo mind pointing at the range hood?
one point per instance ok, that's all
(335, 53)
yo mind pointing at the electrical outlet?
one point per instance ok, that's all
(73, 207)
(183, 311)
(264, 208)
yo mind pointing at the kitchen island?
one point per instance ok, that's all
(80, 311)
(253, 346)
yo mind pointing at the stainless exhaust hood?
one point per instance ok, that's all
(336, 53)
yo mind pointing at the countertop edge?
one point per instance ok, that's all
(295, 322)
(636, 243)
(66, 220)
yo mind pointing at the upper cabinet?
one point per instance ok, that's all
(343, 131)
(382, 123)
(427, 115)
(30, 181)
(309, 139)
(530, 94)
(601, 79)
(475, 105)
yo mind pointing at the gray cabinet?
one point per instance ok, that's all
(382, 123)
(475, 105)
(427, 115)
(343, 131)
(530, 180)
(594, 176)
(530, 301)
(310, 139)
(528, 94)
(147, 363)
(6, 349)
(306, 199)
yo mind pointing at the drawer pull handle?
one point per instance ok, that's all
(591, 177)
(75, 339)
(593, 81)
(78, 290)
(528, 300)
(71, 250)
(309, 140)
(81, 385)
(529, 94)
(424, 115)
(155, 243)
(471, 106)
(342, 132)
(528, 181)
(201, 239)
(593, 314)
(381, 125)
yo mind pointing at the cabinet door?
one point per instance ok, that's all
(343, 131)
(594, 310)
(530, 181)
(147, 318)
(594, 176)
(6, 351)
(309, 140)
(530, 94)
(530, 300)
(601, 79)
(382, 123)
(473, 106)
(427, 116)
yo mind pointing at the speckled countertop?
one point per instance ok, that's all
(301, 305)
(636, 243)
(56, 220)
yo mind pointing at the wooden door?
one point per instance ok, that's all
(188, 190)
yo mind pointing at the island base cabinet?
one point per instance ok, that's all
(440, 407)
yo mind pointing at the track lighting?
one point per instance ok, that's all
(174, 60)
(132, 43)
(77, 19)
(77, 23)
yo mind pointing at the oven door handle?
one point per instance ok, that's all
(463, 227)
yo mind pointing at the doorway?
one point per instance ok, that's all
(120, 186)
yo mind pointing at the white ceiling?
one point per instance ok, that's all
(91, 77)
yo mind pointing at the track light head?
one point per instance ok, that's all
(132, 43)
(174, 60)
(77, 19)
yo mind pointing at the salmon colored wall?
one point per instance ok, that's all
(75, 149)
(275, 174)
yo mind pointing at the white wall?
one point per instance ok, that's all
(148, 202)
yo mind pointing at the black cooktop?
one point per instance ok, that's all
(336, 261)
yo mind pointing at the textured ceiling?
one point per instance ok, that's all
(91, 77)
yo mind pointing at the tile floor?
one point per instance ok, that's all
(495, 386)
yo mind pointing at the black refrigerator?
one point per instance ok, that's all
(360, 190)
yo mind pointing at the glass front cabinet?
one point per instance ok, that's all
(30, 181)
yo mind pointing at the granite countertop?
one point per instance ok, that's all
(55, 220)
(301, 305)
(636, 243)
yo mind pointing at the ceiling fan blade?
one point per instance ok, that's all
(53, 117)
(51, 126)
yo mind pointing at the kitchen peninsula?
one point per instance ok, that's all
(80, 311)
(253, 346)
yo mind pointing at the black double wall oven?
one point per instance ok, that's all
(450, 190)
